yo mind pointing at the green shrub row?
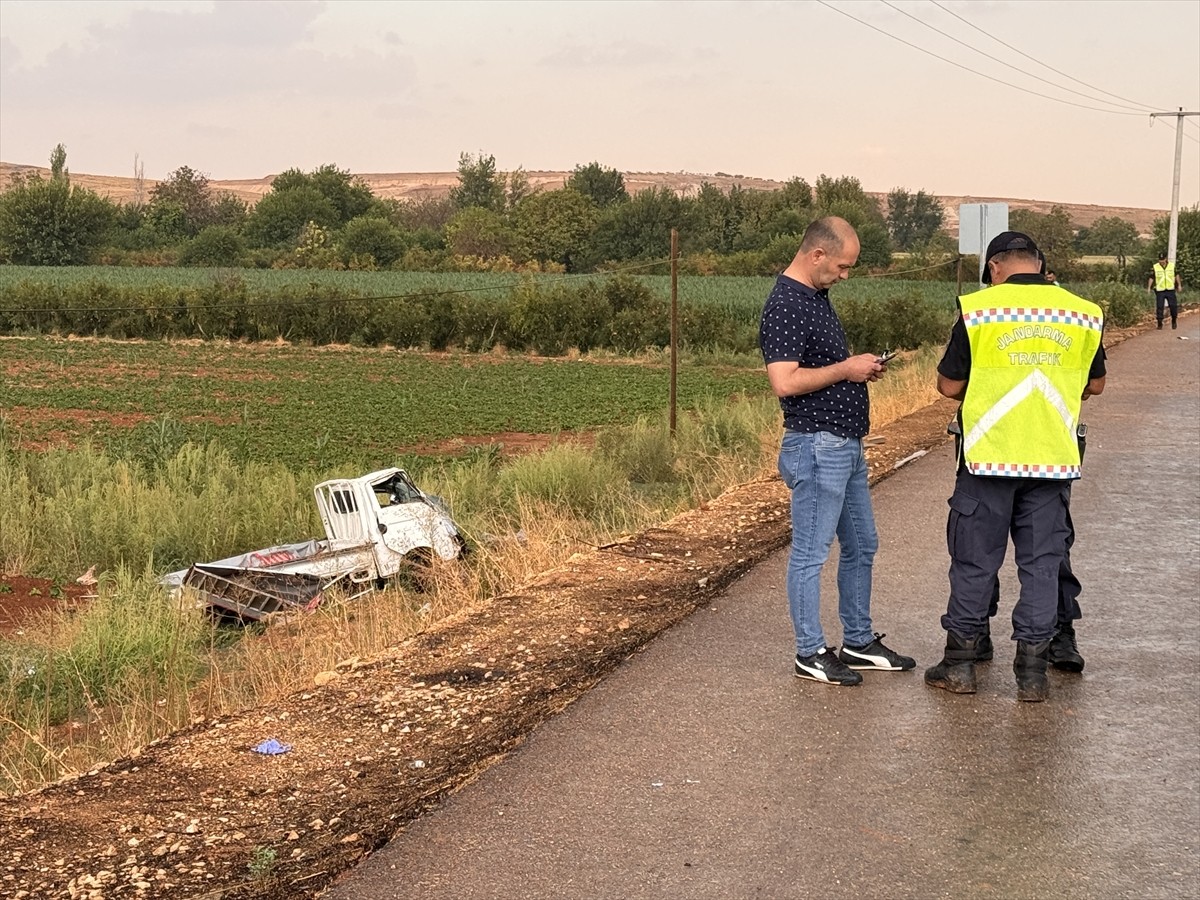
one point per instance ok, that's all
(550, 317)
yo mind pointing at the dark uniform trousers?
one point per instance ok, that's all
(1069, 587)
(984, 511)
(1169, 300)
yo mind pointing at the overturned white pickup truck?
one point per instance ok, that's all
(376, 527)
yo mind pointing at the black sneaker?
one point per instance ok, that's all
(876, 656)
(824, 666)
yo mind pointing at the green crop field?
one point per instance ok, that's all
(305, 406)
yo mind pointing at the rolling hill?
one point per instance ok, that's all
(422, 185)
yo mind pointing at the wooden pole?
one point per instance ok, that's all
(674, 321)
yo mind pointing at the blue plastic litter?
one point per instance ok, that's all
(272, 747)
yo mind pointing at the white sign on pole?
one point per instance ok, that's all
(978, 223)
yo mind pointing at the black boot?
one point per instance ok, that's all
(1064, 654)
(1030, 668)
(983, 646)
(956, 671)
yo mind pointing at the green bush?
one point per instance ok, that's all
(554, 318)
(901, 321)
(484, 323)
(1123, 304)
(216, 245)
(372, 237)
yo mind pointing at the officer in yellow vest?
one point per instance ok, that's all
(1165, 282)
(1064, 651)
(1022, 357)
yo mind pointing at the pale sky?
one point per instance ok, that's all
(248, 88)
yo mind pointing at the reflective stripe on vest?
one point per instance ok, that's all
(1031, 350)
(1164, 278)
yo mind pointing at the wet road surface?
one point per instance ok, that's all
(703, 769)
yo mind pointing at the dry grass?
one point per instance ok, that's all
(908, 386)
(264, 664)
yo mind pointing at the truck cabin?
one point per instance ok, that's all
(395, 490)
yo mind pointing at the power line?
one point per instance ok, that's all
(1145, 107)
(940, 265)
(974, 71)
(970, 24)
(1009, 65)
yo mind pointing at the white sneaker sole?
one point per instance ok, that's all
(874, 663)
(821, 679)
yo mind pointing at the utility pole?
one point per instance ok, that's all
(1173, 239)
(674, 323)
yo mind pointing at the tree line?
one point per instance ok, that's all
(496, 221)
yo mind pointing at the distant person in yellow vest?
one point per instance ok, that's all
(1022, 357)
(1165, 282)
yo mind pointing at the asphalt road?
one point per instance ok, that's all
(703, 769)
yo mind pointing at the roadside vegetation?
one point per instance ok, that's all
(81, 686)
(179, 373)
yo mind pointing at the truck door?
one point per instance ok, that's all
(346, 522)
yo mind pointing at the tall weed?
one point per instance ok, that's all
(133, 665)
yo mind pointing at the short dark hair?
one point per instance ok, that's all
(823, 233)
(1029, 256)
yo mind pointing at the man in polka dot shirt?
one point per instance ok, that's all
(826, 413)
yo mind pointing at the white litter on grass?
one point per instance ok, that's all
(272, 747)
(1183, 337)
(910, 458)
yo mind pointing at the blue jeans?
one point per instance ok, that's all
(827, 476)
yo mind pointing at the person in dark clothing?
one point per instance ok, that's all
(1164, 281)
(1021, 358)
(1064, 651)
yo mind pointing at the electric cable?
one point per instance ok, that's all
(1025, 90)
(1036, 60)
(888, 3)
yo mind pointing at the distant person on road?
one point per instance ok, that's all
(1022, 357)
(1165, 282)
(822, 390)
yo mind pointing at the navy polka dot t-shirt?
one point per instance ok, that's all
(799, 325)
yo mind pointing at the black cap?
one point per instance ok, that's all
(1002, 243)
(1163, 255)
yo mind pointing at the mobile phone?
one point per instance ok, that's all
(885, 356)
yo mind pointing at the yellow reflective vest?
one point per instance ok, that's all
(1164, 277)
(1031, 350)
